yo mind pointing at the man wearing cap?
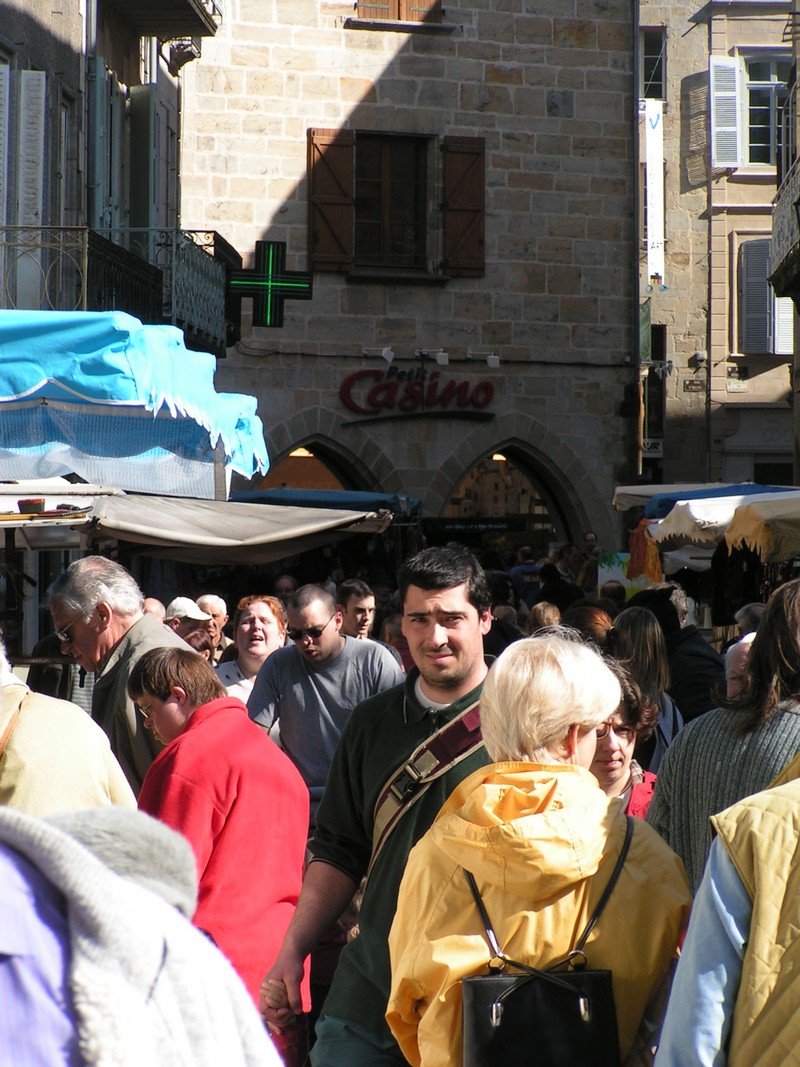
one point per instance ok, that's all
(99, 618)
(183, 616)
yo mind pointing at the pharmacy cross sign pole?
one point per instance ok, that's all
(270, 283)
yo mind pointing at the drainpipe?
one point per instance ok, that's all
(637, 236)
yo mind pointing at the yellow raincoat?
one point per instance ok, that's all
(534, 836)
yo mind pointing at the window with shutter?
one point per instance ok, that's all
(370, 210)
(464, 181)
(767, 321)
(331, 199)
(725, 75)
(401, 10)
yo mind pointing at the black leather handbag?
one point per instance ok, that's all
(560, 1017)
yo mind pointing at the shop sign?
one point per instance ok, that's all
(396, 394)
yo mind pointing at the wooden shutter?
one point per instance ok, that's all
(756, 297)
(464, 213)
(726, 86)
(330, 199)
(421, 10)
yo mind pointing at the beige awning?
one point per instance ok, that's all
(770, 527)
(193, 531)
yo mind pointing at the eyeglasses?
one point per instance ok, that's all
(624, 733)
(309, 631)
(63, 635)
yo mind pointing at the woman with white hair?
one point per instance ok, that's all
(541, 840)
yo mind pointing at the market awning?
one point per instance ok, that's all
(637, 496)
(703, 521)
(193, 531)
(660, 505)
(119, 403)
(770, 527)
(332, 498)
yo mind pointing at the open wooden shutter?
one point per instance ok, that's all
(464, 213)
(330, 199)
(726, 79)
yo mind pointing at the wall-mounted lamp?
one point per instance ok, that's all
(385, 353)
(661, 368)
(698, 360)
(492, 360)
(439, 354)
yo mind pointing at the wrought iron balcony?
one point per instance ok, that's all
(173, 276)
(166, 19)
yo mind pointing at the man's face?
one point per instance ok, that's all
(317, 617)
(215, 623)
(88, 642)
(283, 588)
(445, 637)
(358, 616)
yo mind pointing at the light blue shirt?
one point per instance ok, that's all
(36, 1015)
(700, 1011)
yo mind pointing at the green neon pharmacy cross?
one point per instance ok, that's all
(270, 283)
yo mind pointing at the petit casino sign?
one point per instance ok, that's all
(395, 394)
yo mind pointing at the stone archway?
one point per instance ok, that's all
(568, 482)
(362, 462)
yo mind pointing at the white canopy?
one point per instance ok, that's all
(704, 521)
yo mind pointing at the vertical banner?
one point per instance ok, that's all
(654, 158)
(30, 185)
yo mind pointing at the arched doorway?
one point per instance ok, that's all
(504, 502)
(303, 468)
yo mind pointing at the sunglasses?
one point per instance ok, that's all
(310, 631)
(63, 635)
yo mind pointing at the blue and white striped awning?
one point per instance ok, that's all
(120, 404)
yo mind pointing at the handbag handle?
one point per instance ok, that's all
(491, 937)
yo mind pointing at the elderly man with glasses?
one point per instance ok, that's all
(98, 616)
(310, 687)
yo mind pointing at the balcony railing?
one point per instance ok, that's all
(174, 276)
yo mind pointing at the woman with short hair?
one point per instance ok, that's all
(541, 840)
(614, 765)
(259, 629)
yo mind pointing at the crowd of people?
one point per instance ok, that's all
(316, 778)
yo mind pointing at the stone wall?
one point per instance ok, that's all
(551, 93)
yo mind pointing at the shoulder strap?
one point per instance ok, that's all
(598, 911)
(491, 937)
(437, 754)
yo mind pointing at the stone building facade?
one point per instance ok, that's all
(723, 341)
(459, 184)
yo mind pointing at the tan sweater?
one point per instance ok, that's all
(56, 758)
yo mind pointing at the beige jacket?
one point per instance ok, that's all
(56, 758)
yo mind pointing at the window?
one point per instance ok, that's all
(747, 95)
(390, 201)
(652, 46)
(401, 10)
(766, 320)
(372, 206)
(766, 95)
